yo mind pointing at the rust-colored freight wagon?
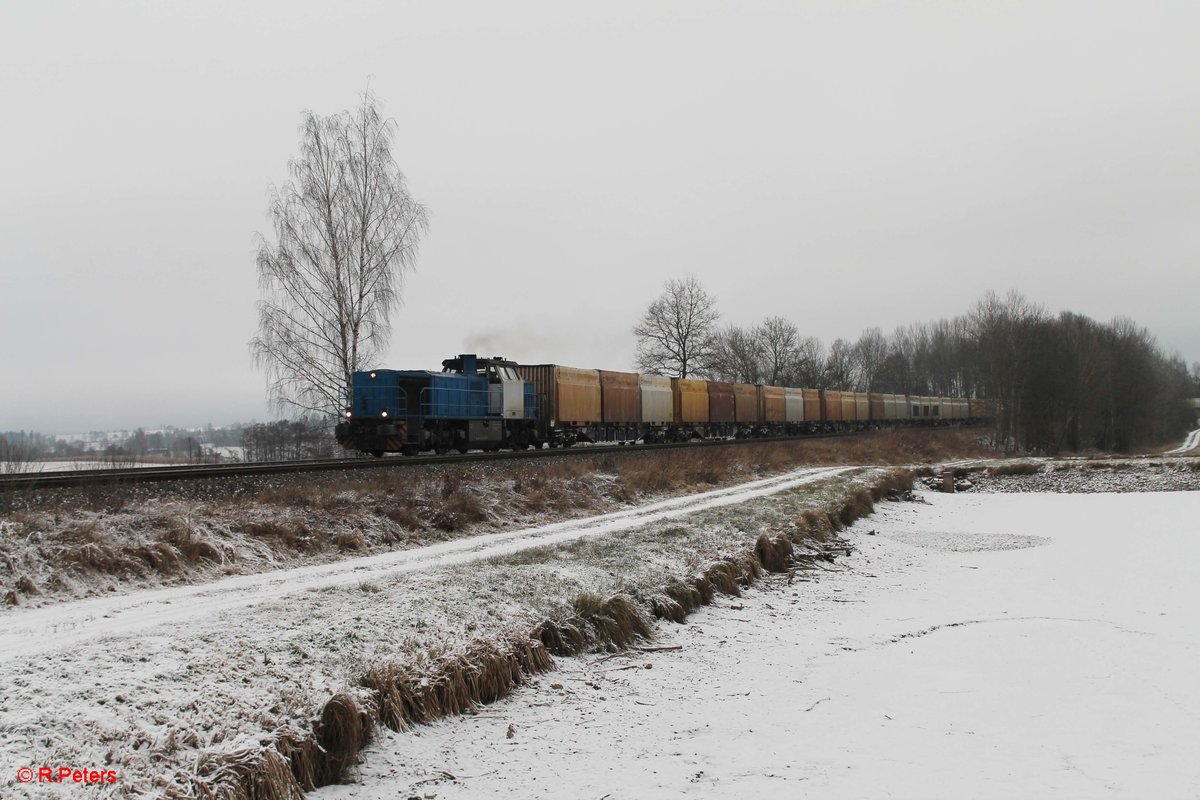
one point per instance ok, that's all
(620, 398)
(691, 401)
(658, 404)
(831, 406)
(745, 397)
(720, 403)
(812, 406)
(772, 403)
(566, 397)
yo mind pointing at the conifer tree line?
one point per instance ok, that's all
(1064, 382)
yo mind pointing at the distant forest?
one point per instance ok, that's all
(1065, 382)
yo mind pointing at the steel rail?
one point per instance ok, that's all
(131, 475)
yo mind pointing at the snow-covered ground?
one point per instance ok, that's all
(146, 682)
(983, 646)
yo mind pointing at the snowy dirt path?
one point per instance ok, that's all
(1190, 443)
(983, 646)
(38, 630)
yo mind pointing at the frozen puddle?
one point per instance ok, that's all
(1047, 647)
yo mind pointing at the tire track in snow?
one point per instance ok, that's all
(1190, 443)
(39, 630)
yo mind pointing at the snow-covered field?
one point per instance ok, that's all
(983, 646)
(80, 465)
(147, 682)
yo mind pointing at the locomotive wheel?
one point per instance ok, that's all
(377, 453)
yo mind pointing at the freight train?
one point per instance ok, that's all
(492, 403)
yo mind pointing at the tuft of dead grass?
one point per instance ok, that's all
(343, 729)
(615, 622)
(459, 509)
(773, 553)
(249, 773)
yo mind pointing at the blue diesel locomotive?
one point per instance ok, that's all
(473, 403)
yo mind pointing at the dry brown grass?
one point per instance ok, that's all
(343, 729)
(290, 532)
(459, 509)
(613, 622)
(561, 638)
(250, 773)
(773, 553)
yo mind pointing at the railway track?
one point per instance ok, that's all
(182, 472)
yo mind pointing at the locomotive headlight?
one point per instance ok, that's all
(384, 413)
(372, 375)
(347, 413)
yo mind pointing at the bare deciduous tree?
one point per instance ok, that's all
(346, 231)
(676, 334)
(779, 340)
(870, 352)
(737, 356)
(839, 366)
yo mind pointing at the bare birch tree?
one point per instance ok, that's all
(346, 232)
(676, 334)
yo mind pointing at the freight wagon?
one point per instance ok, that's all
(490, 403)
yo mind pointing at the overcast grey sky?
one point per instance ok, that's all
(844, 164)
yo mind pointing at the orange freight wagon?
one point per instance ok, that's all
(812, 405)
(691, 401)
(831, 405)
